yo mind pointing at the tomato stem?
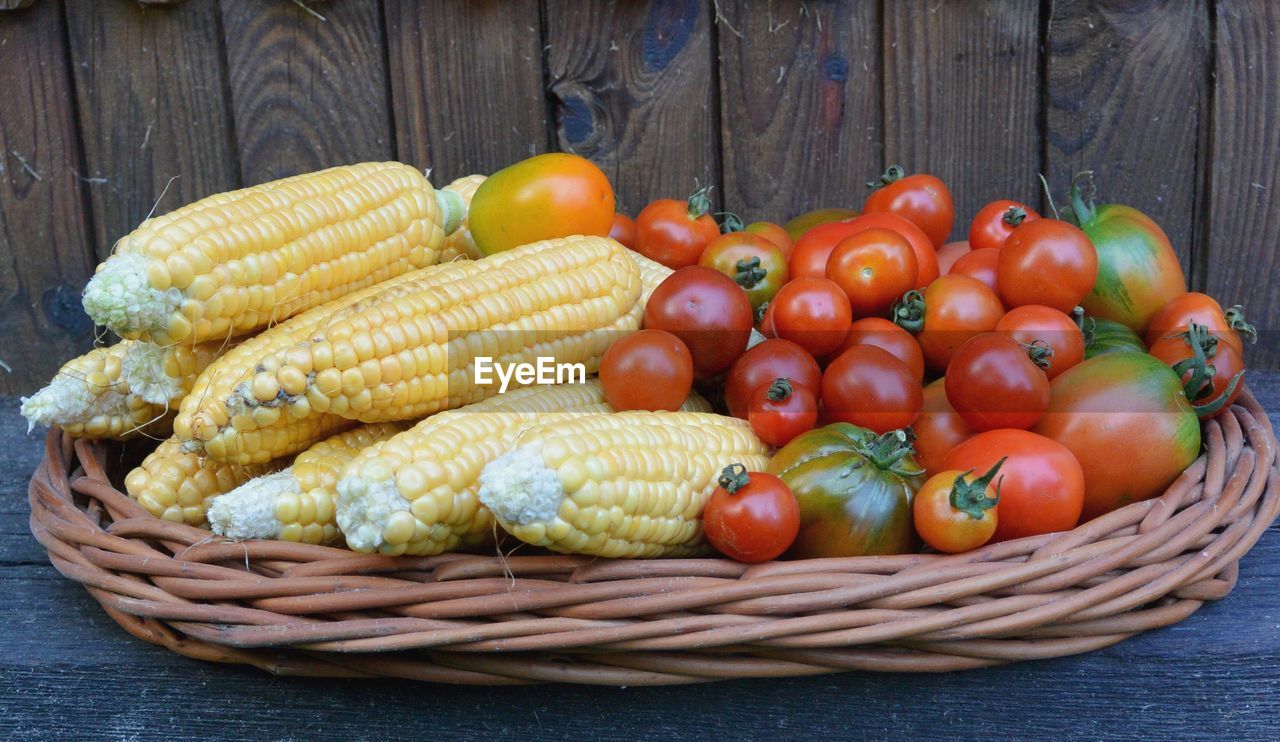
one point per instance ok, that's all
(1039, 352)
(748, 273)
(779, 391)
(1215, 405)
(971, 496)
(1237, 322)
(1048, 196)
(700, 202)
(1203, 347)
(908, 312)
(730, 222)
(733, 478)
(892, 452)
(760, 310)
(1082, 207)
(891, 174)
(1014, 216)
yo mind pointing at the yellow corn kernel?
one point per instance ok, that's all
(179, 486)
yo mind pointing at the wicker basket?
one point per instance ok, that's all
(309, 610)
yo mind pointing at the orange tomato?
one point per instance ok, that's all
(541, 198)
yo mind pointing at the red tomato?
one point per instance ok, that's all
(674, 232)
(949, 253)
(647, 370)
(868, 387)
(708, 311)
(873, 267)
(623, 230)
(810, 252)
(754, 263)
(780, 410)
(772, 359)
(938, 429)
(1037, 324)
(1049, 262)
(993, 383)
(922, 199)
(926, 256)
(885, 335)
(979, 264)
(947, 313)
(993, 223)
(1211, 369)
(813, 249)
(814, 313)
(1041, 483)
(751, 517)
(1193, 306)
(955, 511)
(773, 233)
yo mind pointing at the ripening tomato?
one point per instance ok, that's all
(949, 253)
(993, 223)
(814, 313)
(751, 517)
(1042, 486)
(1033, 323)
(979, 264)
(708, 311)
(950, 311)
(810, 219)
(938, 429)
(623, 230)
(870, 388)
(773, 233)
(1049, 262)
(1102, 336)
(922, 199)
(955, 511)
(675, 232)
(543, 197)
(780, 410)
(1193, 306)
(1212, 376)
(754, 263)
(647, 370)
(993, 382)
(885, 335)
(772, 359)
(873, 267)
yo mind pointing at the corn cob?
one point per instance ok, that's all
(239, 261)
(296, 503)
(631, 484)
(460, 245)
(176, 485)
(409, 351)
(416, 493)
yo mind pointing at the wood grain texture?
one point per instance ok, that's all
(150, 86)
(466, 84)
(1127, 90)
(800, 105)
(44, 236)
(633, 90)
(961, 98)
(1244, 204)
(307, 93)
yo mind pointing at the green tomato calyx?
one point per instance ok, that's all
(733, 478)
(908, 312)
(1039, 352)
(970, 496)
(748, 273)
(1237, 322)
(891, 174)
(730, 222)
(779, 391)
(891, 452)
(1014, 216)
(700, 202)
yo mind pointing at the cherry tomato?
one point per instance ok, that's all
(938, 429)
(810, 253)
(772, 359)
(814, 313)
(773, 233)
(674, 232)
(647, 370)
(753, 262)
(1211, 369)
(1032, 323)
(873, 267)
(885, 335)
(868, 387)
(947, 313)
(1193, 306)
(926, 255)
(1049, 262)
(979, 264)
(543, 197)
(810, 219)
(623, 230)
(751, 518)
(1041, 483)
(993, 223)
(992, 382)
(708, 311)
(781, 410)
(923, 199)
(949, 253)
(955, 510)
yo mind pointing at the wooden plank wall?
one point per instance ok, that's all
(112, 109)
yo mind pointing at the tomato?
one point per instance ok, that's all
(675, 232)
(1126, 418)
(1042, 486)
(938, 429)
(780, 410)
(955, 511)
(623, 230)
(855, 491)
(993, 382)
(926, 256)
(1211, 369)
(754, 263)
(1202, 309)
(811, 252)
(647, 370)
(543, 197)
(752, 517)
(950, 311)
(708, 311)
(1038, 324)
(811, 219)
(1103, 336)
(814, 313)
(949, 253)
(885, 335)
(993, 223)
(979, 264)
(1049, 262)
(1138, 271)
(772, 359)
(873, 267)
(773, 233)
(868, 387)
(922, 199)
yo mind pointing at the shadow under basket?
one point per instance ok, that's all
(296, 609)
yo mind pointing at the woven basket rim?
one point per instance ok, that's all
(297, 609)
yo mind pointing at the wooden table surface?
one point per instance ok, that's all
(67, 671)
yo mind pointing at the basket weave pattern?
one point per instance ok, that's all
(311, 610)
